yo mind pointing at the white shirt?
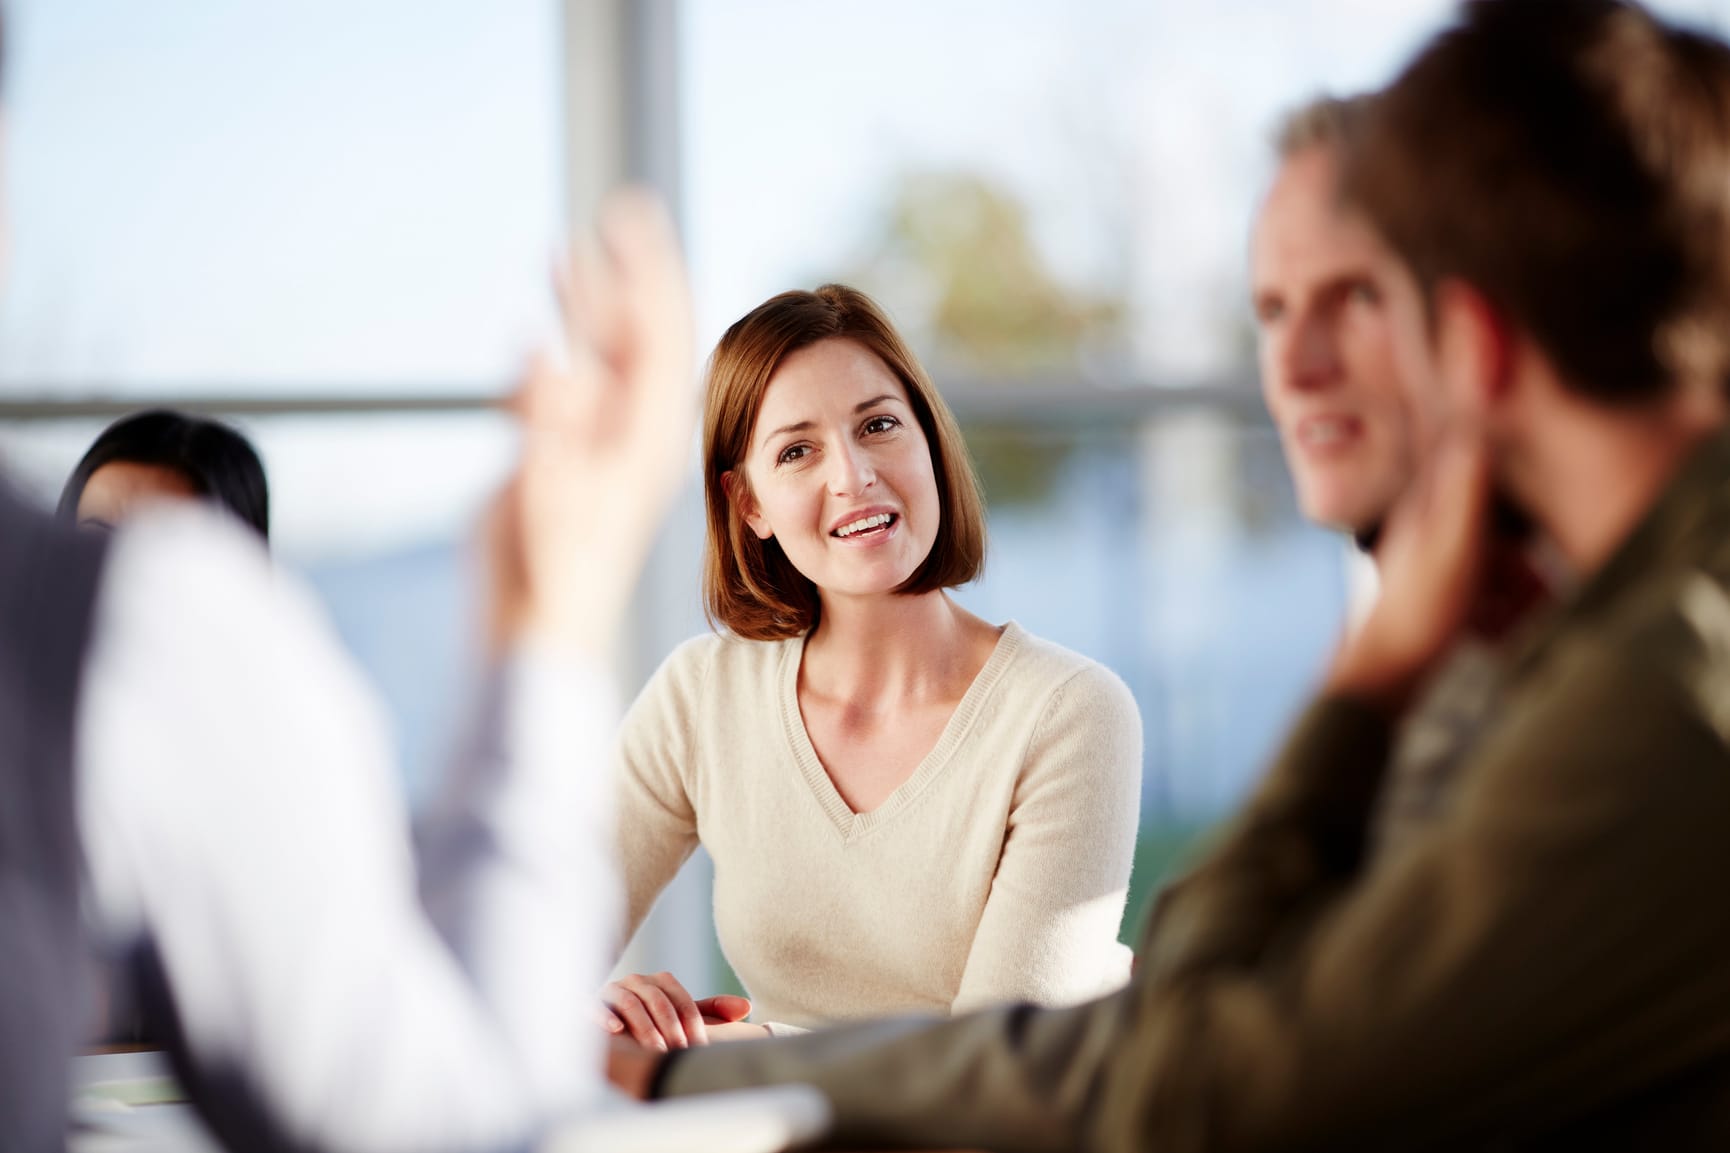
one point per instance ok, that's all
(239, 807)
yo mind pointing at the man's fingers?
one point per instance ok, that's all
(642, 246)
(648, 275)
(582, 282)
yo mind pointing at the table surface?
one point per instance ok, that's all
(127, 1102)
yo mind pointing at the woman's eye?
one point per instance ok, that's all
(881, 424)
(792, 453)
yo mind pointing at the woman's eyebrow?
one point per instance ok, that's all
(808, 425)
(802, 426)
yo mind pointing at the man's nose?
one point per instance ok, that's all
(1309, 355)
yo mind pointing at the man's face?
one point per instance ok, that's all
(1327, 360)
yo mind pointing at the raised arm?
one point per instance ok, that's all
(242, 819)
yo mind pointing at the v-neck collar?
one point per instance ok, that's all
(849, 824)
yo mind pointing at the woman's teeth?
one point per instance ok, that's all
(864, 524)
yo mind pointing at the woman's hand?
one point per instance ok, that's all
(657, 1012)
(738, 1031)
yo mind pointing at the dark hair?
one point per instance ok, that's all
(749, 585)
(219, 462)
(1572, 163)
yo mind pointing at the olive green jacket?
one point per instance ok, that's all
(1544, 965)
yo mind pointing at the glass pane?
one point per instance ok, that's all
(378, 514)
(318, 197)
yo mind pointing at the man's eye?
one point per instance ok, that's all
(881, 424)
(1268, 312)
(1363, 292)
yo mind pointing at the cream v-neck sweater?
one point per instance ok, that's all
(997, 872)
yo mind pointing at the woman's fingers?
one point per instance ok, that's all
(724, 1008)
(634, 1015)
(661, 1011)
(684, 1006)
(657, 1010)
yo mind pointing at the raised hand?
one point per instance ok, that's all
(607, 427)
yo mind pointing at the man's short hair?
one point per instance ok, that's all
(1572, 163)
(1323, 122)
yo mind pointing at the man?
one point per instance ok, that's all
(1334, 391)
(1325, 351)
(1544, 966)
(182, 740)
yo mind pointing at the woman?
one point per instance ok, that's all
(136, 461)
(161, 454)
(909, 808)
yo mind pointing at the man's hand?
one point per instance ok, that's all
(1431, 559)
(632, 1068)
(606, 431)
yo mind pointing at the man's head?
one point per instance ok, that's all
(1327, 365)
(1557, 179)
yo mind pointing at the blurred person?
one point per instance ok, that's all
(909, 808)
(186, 753)
(138, 460)
(1329, 377)
(1544, 967)
(1323, 346)
(161, 454)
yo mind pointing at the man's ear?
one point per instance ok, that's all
(739, 494)
(1474, 348)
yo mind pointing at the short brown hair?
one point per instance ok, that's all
(1323, 122)
(749, 585)
(1572, 163)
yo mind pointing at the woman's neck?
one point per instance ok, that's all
(891, 649)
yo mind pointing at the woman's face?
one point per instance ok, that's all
(120, 488)
(840, 472)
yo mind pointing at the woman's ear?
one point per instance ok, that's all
(739, 494)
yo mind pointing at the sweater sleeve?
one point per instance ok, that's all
(1049, 931)
(657, 818)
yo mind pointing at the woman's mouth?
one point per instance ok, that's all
(873, 525)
